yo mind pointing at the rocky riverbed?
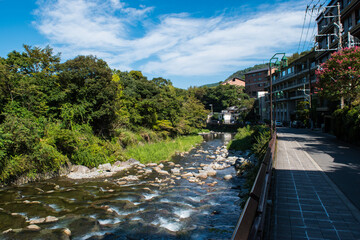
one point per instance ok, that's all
(195, 196)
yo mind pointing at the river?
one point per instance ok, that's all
(143, 209)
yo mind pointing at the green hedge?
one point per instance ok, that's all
(346, 124)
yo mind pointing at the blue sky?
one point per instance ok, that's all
(190, 42)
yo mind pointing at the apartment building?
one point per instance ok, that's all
(328, 39)
(292, 85)
(295, 83)
(255, 81)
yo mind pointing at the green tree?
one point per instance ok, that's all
(339, 76)
(28, 78)
(90, 91)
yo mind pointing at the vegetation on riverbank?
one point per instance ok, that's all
(256, 140)
(156, 152)
(55, 114)
(82, 112)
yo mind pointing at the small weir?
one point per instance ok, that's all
(152, 206)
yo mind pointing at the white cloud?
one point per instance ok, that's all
(178, 45)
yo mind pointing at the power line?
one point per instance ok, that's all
(307, 31)
(312, 36)
(302, 30)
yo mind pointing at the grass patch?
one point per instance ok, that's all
(156, 152)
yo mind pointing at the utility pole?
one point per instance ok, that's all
(338, 34)
(340, 26)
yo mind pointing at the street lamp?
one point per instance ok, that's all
(277, 64)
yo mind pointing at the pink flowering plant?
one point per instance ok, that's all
(339, 76)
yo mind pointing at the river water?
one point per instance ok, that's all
(144, 209)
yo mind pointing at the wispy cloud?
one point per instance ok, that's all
(177, 44)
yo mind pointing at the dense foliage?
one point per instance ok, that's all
(155, 152)
(82, 112)
(222, 97)
(253, 138)
(339, 76)
(346, 124)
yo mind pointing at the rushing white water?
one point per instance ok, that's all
(169, 224)
(143, 209)
(183, 213)
(149, 196)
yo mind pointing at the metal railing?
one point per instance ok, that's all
(252, 219)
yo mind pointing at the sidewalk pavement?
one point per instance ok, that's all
(307, 204)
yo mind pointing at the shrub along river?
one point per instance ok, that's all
(149, 206)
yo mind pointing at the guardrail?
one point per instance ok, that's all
(252, 219)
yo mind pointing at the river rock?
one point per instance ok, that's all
(220, 158)
(79, 169)
(36, 221)
(212, 184)
(67, 232)
(177, 165)
(33, 227)
(210, 172)
(132, 161)
(140, 165)
(175, 171)
(8, 231)
(121, 182)
(228, 177)
(105, 167)
(148, 171)
(193, 179)
(171, 164)
(151, 164)
(161, 165)
(50, 219)
(163, 172)
(141, 172)
(202, 175)
(130, 178)
(186, 175)
(218, 166)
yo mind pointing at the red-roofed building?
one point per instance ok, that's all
(235, 81)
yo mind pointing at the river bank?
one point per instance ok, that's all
(144, 153)
(174, 201)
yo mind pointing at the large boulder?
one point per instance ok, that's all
(79, 169)
(105, 167)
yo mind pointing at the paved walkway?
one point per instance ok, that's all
(308, 205)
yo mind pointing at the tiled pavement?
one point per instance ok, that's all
(307, 204)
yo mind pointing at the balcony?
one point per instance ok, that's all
(293, 75)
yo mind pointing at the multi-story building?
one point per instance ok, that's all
(291, 85)
(328, 37)
(295, 83)
(255, 81)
